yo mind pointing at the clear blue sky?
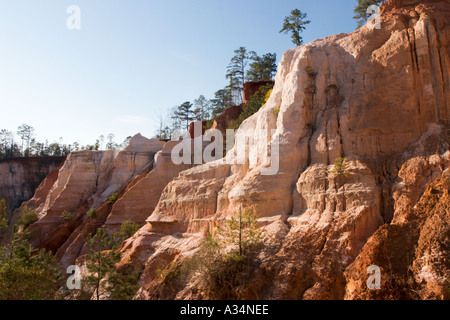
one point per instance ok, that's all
(133, 60)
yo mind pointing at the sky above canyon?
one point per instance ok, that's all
(132, 61)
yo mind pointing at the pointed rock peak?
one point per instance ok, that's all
(137, 137)
(139, 143)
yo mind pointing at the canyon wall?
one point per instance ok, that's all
(118, 186)
(19, 178)
(87, 180)
(377, 97)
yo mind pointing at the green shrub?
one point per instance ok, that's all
(170, 273)
(27, 218)
(225, 262)
(331, 87)
(4, 214)
(27, 273)
(310, 71)
(268, 94)
(339, 167)
(276, 111)
(127, 230)
(67, 216)
(252, 106)
(91, 213)
(113, 199)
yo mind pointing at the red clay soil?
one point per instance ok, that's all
(250, 88)
(418, 246)
(229, 114)
(192, 127)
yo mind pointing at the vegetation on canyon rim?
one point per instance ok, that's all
(361, 14)
(255, 103)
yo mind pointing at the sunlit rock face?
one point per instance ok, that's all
(20, 178)
(86, 180)
(377, 97)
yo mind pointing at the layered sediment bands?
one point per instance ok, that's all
(136, 175)
(141, 199)
(19, 178)
(413, 251)
(379, 98)
(86, 181)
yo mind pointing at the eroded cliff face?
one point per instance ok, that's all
(19, 178)
(377, 97)
(136, 175)
(86, 181)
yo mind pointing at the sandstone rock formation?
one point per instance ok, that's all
(136, 176)
(19, 178)
(379, 98)
(144, 194)
(87, 180)
(413, 250)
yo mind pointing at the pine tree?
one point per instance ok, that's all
(101, 263)
(241, 231)
(25, 132)
(127, 230)
(6, 142)
(226, 261)
(236, 73)
(124, 284)
(202, 105)
(262, 68)
(101, 260)
(27, 218)
(27, 273)
(295, 23)
(360, 10)
(111, 145)
(222, 100)
(185, 113)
